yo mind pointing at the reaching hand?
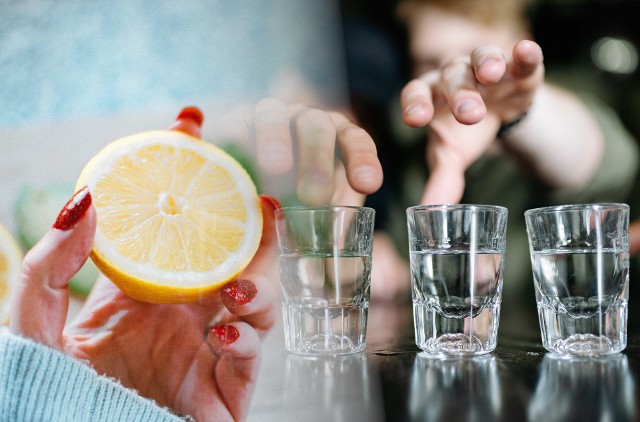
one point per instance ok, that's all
(198, 359)
(335, 160)
(464, 103)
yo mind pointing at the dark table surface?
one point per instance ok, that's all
(394, 381)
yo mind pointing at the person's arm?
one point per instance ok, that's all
(559, 138)
(41, 383)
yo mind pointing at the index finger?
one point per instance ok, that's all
(360, 155)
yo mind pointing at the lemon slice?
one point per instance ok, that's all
(10, 261)
(177, 216)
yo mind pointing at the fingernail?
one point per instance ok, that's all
(489, 61)
(414, 108)
(238, 292)
(226, 334)
(189, 121)
(193, 113)
(271, 200)
(74, 210)
(467, 105)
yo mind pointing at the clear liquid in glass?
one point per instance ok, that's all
(456, 300)
(582, 300)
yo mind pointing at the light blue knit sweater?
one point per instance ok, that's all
(38, 383)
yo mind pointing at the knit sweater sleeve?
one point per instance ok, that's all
(38, 383)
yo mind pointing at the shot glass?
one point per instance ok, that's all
(325, 274)
(580, 261)
(457, 261)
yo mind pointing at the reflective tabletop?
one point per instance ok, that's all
(394, 381)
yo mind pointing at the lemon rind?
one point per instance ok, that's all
(145, 282)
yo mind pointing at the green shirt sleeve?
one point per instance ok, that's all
(616, 174)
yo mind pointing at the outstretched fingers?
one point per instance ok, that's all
(42, 299)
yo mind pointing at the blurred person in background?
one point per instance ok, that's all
(498, 132)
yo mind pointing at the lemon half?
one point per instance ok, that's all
(10, 261)
(177, 216)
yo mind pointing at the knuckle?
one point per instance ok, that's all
(353, 133)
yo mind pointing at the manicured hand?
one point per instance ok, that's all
(198, 359)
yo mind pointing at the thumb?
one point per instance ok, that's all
(42, 298)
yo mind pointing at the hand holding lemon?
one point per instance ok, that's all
(177, 216)
(197, 358)
(190, 248)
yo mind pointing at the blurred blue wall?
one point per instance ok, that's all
(65, 59)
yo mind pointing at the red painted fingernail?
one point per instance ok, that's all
(74, 210)
(227, 334)
(238, 292)
(189, 121)
(270, 200)
(193, 113)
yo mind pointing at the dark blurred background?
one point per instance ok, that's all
(594, 44)
(591, 45)
(598, 43)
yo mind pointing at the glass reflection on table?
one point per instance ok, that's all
(462, 388)
(580, 389)
(340, 387)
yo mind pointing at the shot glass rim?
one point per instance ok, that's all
(306, 208)
(575, 207)
(452, 207)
